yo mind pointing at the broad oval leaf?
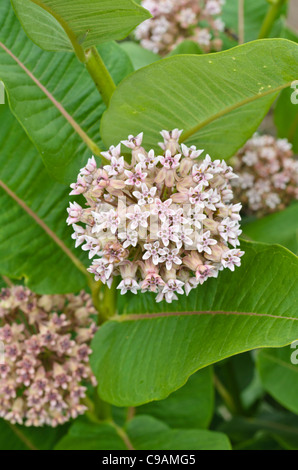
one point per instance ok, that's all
(141, 433)
(189, 407)
(83, 435)
(151, 349)
(279, 375)
(35, 242)
(281, 228)
(15, 437)
(57, 25)
(218, 99)
(147, 433)
(254, 15)
(286, 116)
(53, 96)
(283, 427)
(139, 56)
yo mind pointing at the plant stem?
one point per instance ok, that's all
(109, 301)
(234, 388)
(225, 395)
(104, 300)
(230, 394)
(272, 15)
(103, 410)
(241, 21)
(100, 74)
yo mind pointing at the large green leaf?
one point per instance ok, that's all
(139, 56)
(286, 117)
(57, 25)
(281, 228)
(91, 436)
(285, 112)
(147, 433)
(219, 99)
(279, 376)
(53, 96)
(283, 427)
(14, 437)
(142, 433)
(254, 15)
(151, 350)
(190, 407)
(35, 242)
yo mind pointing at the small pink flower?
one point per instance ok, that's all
(137, 177)
(138, 218)
(204, 242)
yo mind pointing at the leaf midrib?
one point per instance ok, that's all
(188, 134)
(280, 362)
(77, 128)
(45, 228)
(148, 316)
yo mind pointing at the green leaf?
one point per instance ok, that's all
(67, 25)
(141, 433)
(219, 102)
(139, 56)
(259, 443)
(151, 350)
(279, 376)
(283, 427)
(14, 437)
(83, 435)
(190, 407)
(285, 112)
(53, 96)
(186, 47)
(35, 242)
(281, 228)
(147, 433)
(254, 14)
(286, 118)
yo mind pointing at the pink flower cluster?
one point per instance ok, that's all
(268, 175)
(164, 223)
(46, 356)
(176, 20)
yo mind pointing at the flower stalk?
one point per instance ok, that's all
(272, 15)
(100, 74)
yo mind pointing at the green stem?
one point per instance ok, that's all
(272, 15)
(234, 388)
(225, 395)
(103, 409)
(231, 393)
(109, 301)
(241, 25)
(104, 300)
(100, 74)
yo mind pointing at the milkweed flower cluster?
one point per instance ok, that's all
(164, 223)
(46, 356)
(176, 20)
(268, 175)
